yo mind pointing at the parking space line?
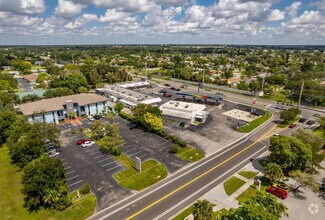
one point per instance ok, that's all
(167, 146)
(99, 156)
(135, 153)
(114, 167)
(68, 167)
(75, 183)
(108, 158)
(70, 172)
(92, 149)
(65, 163)
(130, 150)
(72, 177)
(94, 153)
(108, 164)
(142, 155)
(158, 145)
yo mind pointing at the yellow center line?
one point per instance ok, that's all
(193, 180)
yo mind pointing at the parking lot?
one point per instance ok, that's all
(91, 165)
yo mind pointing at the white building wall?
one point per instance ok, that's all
(92, 109)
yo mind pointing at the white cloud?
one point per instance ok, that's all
(81, 21)
(127, 6)
(25, 7)
(309, 17)
(159, 16)
(111, 15)
(68, 9)
(293, 9)
(172, 2)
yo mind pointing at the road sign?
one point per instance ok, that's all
(138, 164)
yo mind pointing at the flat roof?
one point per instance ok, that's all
(54, 104)
(128, 94)
(182, 106)
(134, 84)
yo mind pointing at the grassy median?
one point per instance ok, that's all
(189, 153)
(152, 172)
(282, 124)
(12, 200)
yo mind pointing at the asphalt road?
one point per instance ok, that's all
(170, 196)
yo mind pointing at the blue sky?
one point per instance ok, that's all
(162, 22)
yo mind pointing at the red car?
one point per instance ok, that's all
(82, 141)
(277, 192)
(292, 126)
(166, 95)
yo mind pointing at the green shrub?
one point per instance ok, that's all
(85, 188)
(125, 116)
(117, 151)
(173, 149)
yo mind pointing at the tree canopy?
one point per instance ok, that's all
(261, 206)
(44, 184)
(203, 210)
(290, 153)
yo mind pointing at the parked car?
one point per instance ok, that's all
(310, 122)
(102, 115)
(292, 126)
(316, 115)
(87, 144)
(277, 192)
(54, 154)
(162, 91)
(91, 118)
(167, 84)
(97, 117)
(282, 186)
(166, 95)
(82, 141)
(173, 88)
(133, 126)
(275, 135)
(178, 89)
(302, 120)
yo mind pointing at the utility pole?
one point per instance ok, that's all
(302, 88)
(146, 70)
(203, 81)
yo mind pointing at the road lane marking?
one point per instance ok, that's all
(207, 185)
(108, 164)
(192, 181)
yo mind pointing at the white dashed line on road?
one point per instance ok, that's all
(72, 171)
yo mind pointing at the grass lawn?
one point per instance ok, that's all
(254, 124)
(184, 213)
(11, 201)
(189, 153)
(282, 124)
(247, 174)
(251, 191)
(152, 172)
(232, 185)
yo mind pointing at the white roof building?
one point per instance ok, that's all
(184, 111)
(128, 97)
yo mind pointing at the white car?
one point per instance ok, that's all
(87, 143)
(53, 154)
(91, 118)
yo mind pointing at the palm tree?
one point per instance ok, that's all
(273, 171)
(202, 210)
